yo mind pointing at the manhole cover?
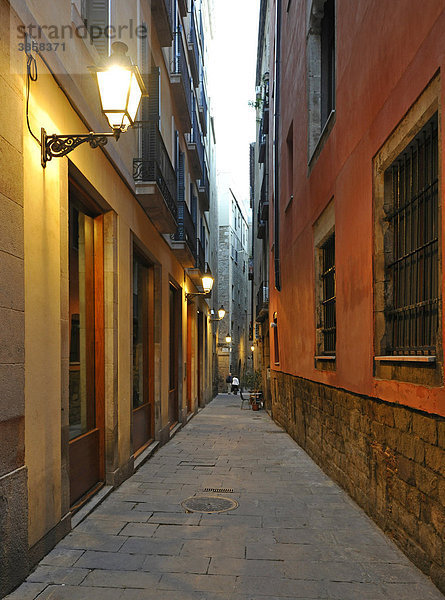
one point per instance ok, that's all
(209, 504)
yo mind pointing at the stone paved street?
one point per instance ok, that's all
(295, 534)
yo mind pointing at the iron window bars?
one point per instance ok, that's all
(412, 271)
(329, 329)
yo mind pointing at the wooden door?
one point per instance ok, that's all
(143, 365)
(174, 356)
(86, 362)
(200, 357)
(189, 359)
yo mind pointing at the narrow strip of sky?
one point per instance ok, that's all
(232, 86)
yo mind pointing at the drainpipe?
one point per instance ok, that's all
(276, 145)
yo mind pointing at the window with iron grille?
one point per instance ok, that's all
(329, 324)
(412, 265)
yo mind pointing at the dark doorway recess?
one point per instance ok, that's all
(143, 353)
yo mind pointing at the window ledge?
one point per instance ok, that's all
(325, 357)
(324, 134)
(418, 359)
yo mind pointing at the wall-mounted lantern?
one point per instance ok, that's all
(221, 314)
(121, 89)
(207, 285)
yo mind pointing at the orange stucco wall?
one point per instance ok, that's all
(386, 54)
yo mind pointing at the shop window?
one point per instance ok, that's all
(407, 274)
(325, 289)
(412, 262)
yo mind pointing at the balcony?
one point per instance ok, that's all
(195, 147)
(263, 209)
(162, 14)
(203, 108)
(181, 84)
(193, 48)
(204, 189)
(201, 258)
(201, 267)
(155, 180)
(262, 302)
(184, 240)
(261, 229)
(262, 147)
(265, 119)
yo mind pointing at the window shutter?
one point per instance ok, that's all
(98, 18)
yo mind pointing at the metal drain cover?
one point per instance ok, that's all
(209, 504)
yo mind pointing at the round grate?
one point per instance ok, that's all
(209, 504)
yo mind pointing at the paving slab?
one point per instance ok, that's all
(295, 533)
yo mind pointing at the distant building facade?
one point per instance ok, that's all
(260, 179)
(106, 345)
(356, 277)
(232, 281)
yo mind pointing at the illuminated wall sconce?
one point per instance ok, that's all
(207, 285)
(221, 314)
(121, 89)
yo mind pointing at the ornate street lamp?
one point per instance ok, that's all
(121, 89)
(228, 338)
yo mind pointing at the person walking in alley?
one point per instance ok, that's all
(229, 379)
(235, 385)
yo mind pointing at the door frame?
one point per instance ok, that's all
(93, 441)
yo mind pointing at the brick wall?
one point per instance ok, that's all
(390, 459)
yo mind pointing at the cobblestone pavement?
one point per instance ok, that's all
(295, 534)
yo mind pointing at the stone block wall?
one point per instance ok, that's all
(389, 458)
(13, 473)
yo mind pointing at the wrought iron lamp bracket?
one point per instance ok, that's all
(189, 296)
(56, 146)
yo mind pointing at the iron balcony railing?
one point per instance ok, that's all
(262, 141)
(155, 165)
(203, 107)
(200, 257)
(262, 300)
(193, 48)
(204, 184)
(195, 136)
(186, 231)
(263, 208)
(180, 67)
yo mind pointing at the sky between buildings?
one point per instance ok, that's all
(232, 85)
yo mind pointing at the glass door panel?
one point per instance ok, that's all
(142, 353)
(82, 335)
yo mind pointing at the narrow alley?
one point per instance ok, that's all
(294, 533)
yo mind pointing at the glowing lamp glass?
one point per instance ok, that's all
(252, 348)
(120, 94)
(221, 313)
(207, 283)
(228, 339)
